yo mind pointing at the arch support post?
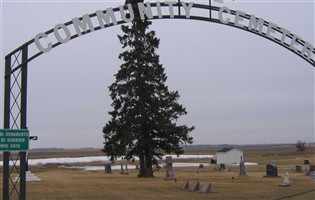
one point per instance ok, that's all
(15, 117)
(6, 118)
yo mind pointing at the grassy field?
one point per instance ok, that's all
(61, 183)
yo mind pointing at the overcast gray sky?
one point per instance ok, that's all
(237, 87)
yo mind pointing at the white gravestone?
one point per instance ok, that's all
(29, 177)
(286, 181)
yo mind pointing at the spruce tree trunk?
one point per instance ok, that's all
(142, 169)
(149, 169)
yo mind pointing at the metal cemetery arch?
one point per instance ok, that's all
(16, 62)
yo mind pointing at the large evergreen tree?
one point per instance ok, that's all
(144, 117)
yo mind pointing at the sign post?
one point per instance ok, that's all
(14, 140)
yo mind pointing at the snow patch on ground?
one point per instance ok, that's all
(95, 159)
(114, 167)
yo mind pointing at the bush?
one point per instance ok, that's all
(300, 145)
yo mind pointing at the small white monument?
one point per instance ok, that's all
(286, 181)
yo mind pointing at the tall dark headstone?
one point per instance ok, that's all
(222, 167)
(126, 168)
(242, 168)
(122, 168)
(108, 168)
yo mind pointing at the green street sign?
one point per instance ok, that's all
(14, 139)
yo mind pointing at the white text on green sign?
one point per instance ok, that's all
(14, 140)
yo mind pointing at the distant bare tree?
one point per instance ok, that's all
(300, 145)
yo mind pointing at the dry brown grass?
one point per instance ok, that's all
(60, 183)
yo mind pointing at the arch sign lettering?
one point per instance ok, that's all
(63, 33)
(87, 23)
(16, 62)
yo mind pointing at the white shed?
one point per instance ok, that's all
(229, 156)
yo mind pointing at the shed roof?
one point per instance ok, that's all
(228, 149)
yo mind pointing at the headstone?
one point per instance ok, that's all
(206, 188)
(126, 169)
(312, 169)
(185, 185)
(306, 162)
(242, 169)
(298, 169)
(222, 166)
(271, 170)
(195, 186)
(108, 168)
(29, 176)
(286, 181)
(121, 168)
(169, 169)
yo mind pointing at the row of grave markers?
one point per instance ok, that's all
(271, 172)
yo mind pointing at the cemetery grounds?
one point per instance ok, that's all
(59, 182)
